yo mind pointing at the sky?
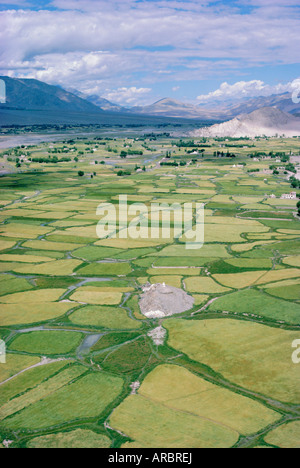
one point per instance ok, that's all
(135, 52)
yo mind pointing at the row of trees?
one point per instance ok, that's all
(124, 154)
(221, 154)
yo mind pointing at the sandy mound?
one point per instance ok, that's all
(267, 121)
(159, 300)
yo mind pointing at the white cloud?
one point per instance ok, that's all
(243, 89)
(131, 43)
(131, 96)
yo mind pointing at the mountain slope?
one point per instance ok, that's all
(283, 102)
(172, 108)
(99, 101)
(32, 94)
(219, 110)
(267, 121)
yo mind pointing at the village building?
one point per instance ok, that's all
(289, 196)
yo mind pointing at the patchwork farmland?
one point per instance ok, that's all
(82, 367)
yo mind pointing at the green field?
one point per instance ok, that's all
(83, 367)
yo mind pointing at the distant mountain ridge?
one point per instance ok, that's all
(170, 108)
(30, 94)
(267, 121)
(218, 111)
(99, 101)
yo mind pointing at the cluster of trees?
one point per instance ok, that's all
(295, 183)
(202, 151)
(148, 148)
(52, 160)
(81, 174)
(231, 138)
(124, 154)
(185, 144)
(123, 173)
(173, 163)
(221, 154)
(154, 136)
(139, 167)
(279, 154)
(235, 145)
(191, 144)
(112, 150)
(65, 149)
(169, 163)
(291, 168)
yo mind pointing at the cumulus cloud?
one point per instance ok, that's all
(244, 89)
(130, 96)
(132, 43)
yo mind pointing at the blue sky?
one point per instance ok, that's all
(135, 52)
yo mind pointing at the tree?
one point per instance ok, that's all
(80, 173)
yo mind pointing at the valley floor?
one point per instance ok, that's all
(84, 367)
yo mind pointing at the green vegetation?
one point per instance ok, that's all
(103, 317)
(221, 375)
(84, 398)
(251, 301)
(80, 438)
(174, 390)
(47, 342)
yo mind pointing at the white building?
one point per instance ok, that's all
(289, 196)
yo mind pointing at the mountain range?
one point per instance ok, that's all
(31, 94)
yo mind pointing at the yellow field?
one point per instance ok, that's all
(273, 276)
(32, 313)
(16, 363)
(285, 436)
(239, 280)
(54, 268)
(97, 297)
(203, 285)
(177, 388)
(80, 438)
(251, 355)
(153, 425)
(292, 261)
(33, 297)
